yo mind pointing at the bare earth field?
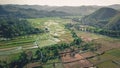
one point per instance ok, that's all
(76, 61)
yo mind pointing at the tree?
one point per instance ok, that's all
(77, 41)
(22, 60)
(86, 46)
(38, 54)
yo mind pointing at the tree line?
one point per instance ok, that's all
(110, 33)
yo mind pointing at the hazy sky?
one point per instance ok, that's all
(61, 2)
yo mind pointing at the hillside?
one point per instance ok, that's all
(100, 18)
(12, 27)
(72, 10)
(114, 23)
(13, 11)
(103, 14)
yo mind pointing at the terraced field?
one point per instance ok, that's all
(109, 59)
(56, 30)
(110, 46)
(56, 34)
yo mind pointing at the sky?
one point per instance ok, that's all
(61, 2)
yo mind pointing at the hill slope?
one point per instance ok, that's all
(103, 14)
(114, 23)
(100, 18)
(72, 10)
(13, 11)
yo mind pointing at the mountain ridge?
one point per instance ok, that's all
(46, 11)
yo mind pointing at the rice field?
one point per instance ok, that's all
(56, 34)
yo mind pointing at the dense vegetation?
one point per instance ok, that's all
(10, 28)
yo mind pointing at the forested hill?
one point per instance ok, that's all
(107, 18)
(13, 11)
(114, 23)
(103, 14)
(12, 27)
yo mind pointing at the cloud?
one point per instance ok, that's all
(61, 2)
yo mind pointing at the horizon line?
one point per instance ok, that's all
(60, 5)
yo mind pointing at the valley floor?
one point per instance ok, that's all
(108, 56)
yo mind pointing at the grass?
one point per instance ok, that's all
(9, 58)
(56, 29)
(96, 36)
(54, 60)
(105, 60)
(32, 50)
(101, 58)
(18, 41)
(114, 52)
(108, 64)
(38, 23)
(90, 35)
(66, 38)
(48, 66)
(57, 65)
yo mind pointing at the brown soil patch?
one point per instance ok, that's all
(78, 64)
(107, 45)
(31, 65)
(88, 54)
(76, 61)
(68, 58)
